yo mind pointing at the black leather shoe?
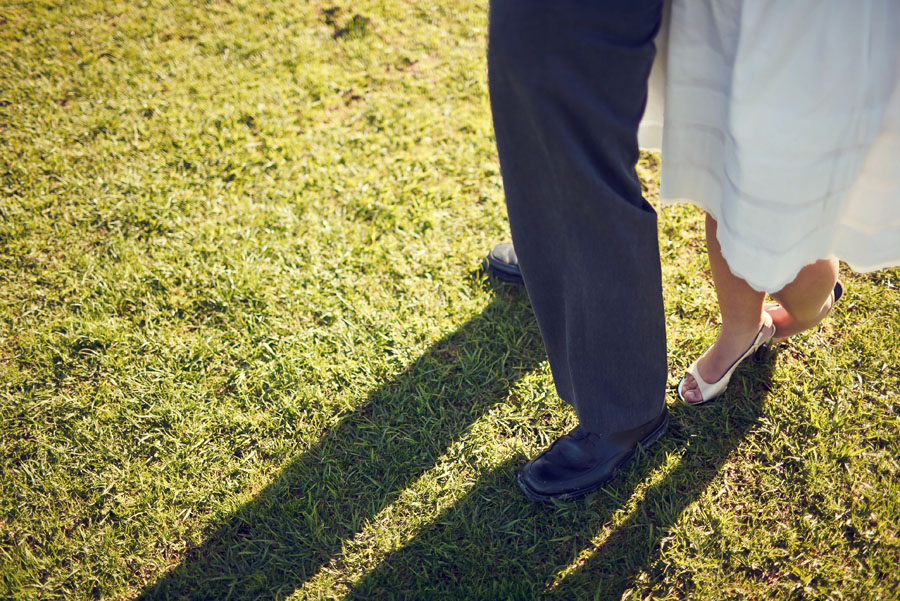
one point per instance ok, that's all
(580, 462)
(503, 263)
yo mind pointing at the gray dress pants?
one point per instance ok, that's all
(568, 85)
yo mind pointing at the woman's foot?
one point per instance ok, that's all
(720, 360)
(786, 325)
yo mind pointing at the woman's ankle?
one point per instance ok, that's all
(743, 329)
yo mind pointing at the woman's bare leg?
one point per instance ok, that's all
(805, 301)
(742, 317)
(803, 304)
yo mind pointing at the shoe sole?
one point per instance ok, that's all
(511, 278)
(645, 443)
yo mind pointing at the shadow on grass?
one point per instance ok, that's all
(491, 544)
(494, 544)
(280, 539)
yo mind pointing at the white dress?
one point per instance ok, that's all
(782, 120)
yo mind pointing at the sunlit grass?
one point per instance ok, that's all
(245, 348)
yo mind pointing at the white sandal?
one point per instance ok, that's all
(711, 390)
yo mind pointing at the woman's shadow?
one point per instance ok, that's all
(493, 543)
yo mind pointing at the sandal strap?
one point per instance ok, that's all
(711, 390)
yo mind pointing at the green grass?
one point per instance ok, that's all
(246, 351)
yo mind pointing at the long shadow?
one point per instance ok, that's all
(710, 437)
(494, 544)
(274, 543)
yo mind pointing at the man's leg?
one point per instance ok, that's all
(568, 82)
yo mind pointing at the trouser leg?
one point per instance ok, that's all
(568, 83)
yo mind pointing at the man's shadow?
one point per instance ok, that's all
(495, 544)
(274, 543)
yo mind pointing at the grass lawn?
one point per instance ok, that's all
(246, 351)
